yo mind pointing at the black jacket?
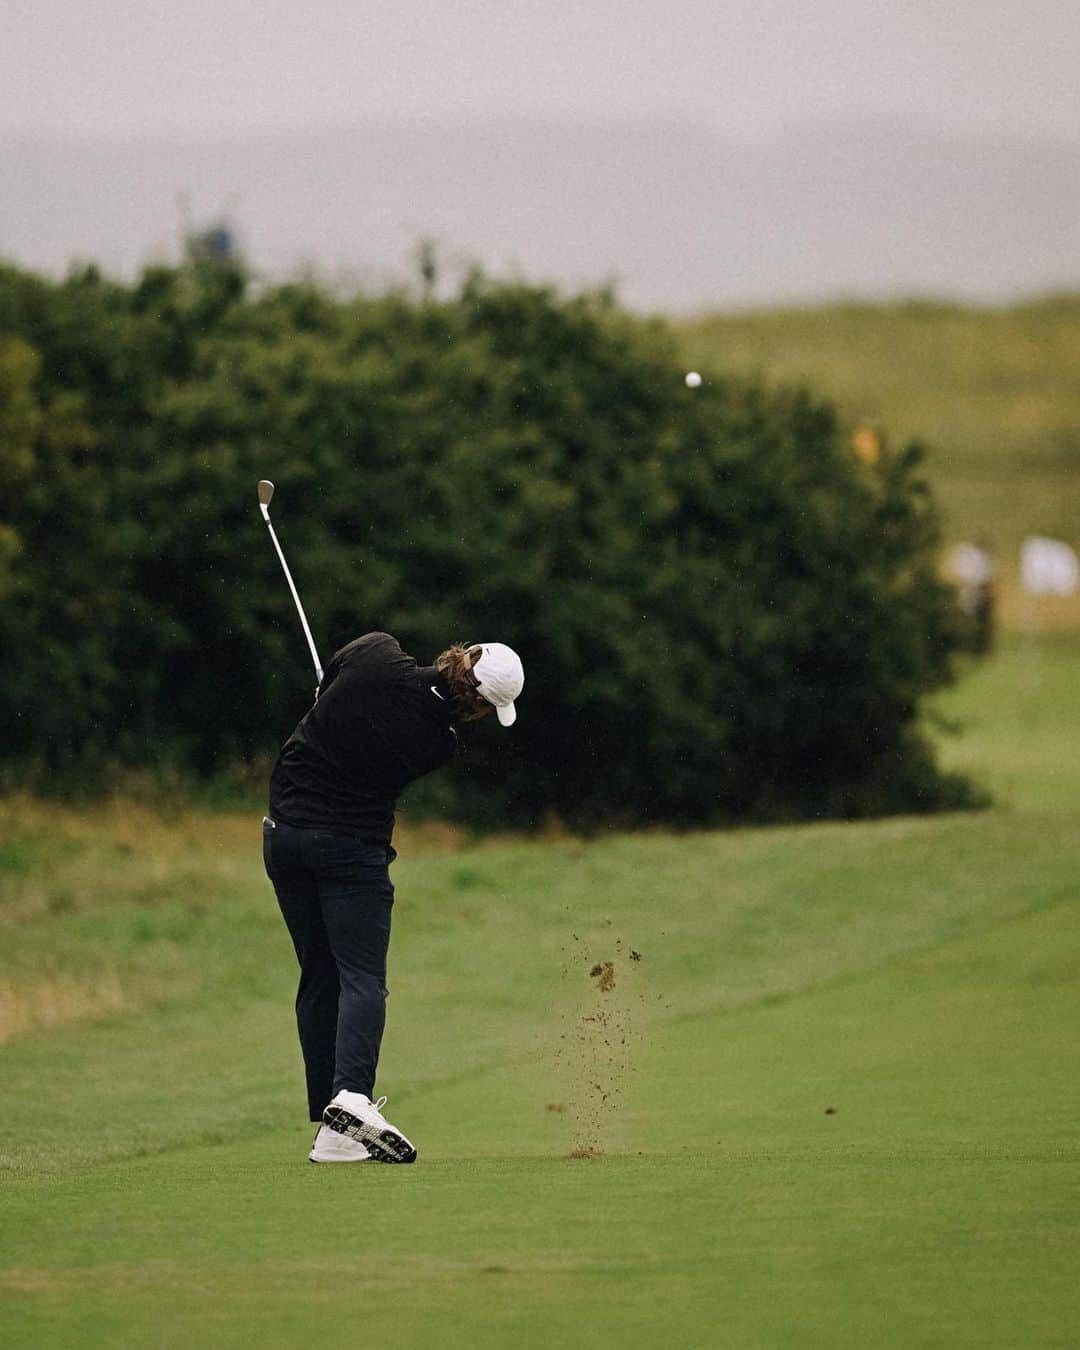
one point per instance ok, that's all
(380, 722)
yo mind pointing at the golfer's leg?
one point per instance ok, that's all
(316, 1021)
(357, 897)
(297, 891)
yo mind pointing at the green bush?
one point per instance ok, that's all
(721, 612)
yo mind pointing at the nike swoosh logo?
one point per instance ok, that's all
(436, 693)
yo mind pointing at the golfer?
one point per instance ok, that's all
(379, 721)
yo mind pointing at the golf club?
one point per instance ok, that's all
(266, 491)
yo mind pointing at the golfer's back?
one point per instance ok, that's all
(380, 722)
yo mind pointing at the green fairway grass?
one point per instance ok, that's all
(831, 1099)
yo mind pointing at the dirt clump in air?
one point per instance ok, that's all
(594, 1053)
(604, 974)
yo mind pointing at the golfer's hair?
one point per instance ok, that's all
(455, 665)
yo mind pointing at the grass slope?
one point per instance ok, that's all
(992, 392)
(832, 1104)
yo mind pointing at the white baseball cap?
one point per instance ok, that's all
(500, 677)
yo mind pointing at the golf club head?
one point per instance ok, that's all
(266, 491)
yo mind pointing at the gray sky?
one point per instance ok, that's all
(123, 68)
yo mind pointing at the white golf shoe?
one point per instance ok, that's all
(331, 1147)
(359, 1118)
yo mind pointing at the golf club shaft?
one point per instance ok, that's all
(295, 596)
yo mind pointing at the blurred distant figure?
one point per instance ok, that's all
(866, 443)
(973, 567)
(1048, 566)
(215, 244)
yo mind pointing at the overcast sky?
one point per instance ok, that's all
(109, 68)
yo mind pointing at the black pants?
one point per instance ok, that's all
(336, 896)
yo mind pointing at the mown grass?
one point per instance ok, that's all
(991, 392)
(832, 1104)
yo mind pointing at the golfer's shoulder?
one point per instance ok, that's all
(375, 654)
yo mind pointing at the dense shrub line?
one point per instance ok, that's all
(723, 614)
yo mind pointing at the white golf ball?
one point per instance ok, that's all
(693, 379)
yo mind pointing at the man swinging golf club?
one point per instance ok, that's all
(379, 722)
